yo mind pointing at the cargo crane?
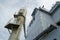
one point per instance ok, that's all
(16, 26)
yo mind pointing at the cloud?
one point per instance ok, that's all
(1, 39)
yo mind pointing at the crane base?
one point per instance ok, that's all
(12, 26)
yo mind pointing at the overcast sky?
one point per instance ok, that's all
(9, 7)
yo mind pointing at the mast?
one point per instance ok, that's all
(16, 27)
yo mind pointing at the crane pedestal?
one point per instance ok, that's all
(11, 26)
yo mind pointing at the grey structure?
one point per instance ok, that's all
(16, 26)
(45, 25)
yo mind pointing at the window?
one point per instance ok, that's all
(58, 23)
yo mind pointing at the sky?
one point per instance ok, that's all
(9, 7)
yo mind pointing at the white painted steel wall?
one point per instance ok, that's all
(35, 28)
(56, 33)
(56, 16)
(41, 22)
(46, 20)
